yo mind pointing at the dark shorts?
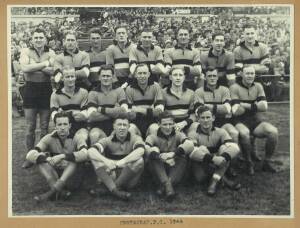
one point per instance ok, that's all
(105, 126)
(77, 126)
(36, 95)
(220, 122)
(190, 85)
(250, 121)
(143, 123)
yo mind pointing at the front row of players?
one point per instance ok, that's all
(182, 140)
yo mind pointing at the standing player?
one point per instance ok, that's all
(217, 57)
(118, 159)
(117, 55)
(73, 100)
(73, 57)
(105, 103)
(147, 53)
(56, 154)
(37, 64)
(251, 52)
(249, 101)
(145, 99)
(166, 151)
(97, 56)
(183, 55)
(213, 152)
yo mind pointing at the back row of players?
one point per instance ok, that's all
(215, 118)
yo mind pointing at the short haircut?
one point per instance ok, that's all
(70, 32)
(68, 68)
(247, 66)
(139, 66)
(125, 117)
(202, 109)
(249, 25)
(146, 29)
(62, 115)
(95, 30)
(107, 67)
(39, 30)
(219, 33)
(177, 68)
(119, 27)
(210, 69)
(165, 115)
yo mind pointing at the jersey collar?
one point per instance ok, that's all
(172, 94)
(199, 130)
(67, 53)
(98, 87)
(115, 139)
(207, 89)
(189, 47)
(139, 47)
(46, 49)
(135, 84)
(240, 82)
(55, 135)
(59, 91)
(211, 54)
(162, 135)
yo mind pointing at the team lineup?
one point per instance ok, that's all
(135, 108)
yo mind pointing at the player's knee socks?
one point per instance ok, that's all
(270, 145)
(126, 175)
(105, 178)
(177, 171)
(246, 148)
(159, 170)
(222, 169)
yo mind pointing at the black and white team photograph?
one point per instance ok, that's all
(151, 110)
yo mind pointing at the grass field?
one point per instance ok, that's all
(262, 194)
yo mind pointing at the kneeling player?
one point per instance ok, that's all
(118, 159)
(215, 149)
(167, 151)
(55, 153)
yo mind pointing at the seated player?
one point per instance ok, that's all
(72, 99)
(166, 151)
(145, 99)
(217, 99)
(178, 101)
(105, 103)
(214, 149)
(118, 159)
(54, 154)
(249, 101)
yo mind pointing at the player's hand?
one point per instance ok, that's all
(55, 159)
(57, 77)
(156, 112)
(179, 126)
(110, 165)
(219, 160)
(131, 115)
(78, 117)
(166, 156)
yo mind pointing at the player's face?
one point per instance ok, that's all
(218, 43)
(146, 39)
(69, 78)
(121, 35)
(248, 75)
(39, 40)
(95, 40)
(142, 74)
(177, 77)
(167, 126)
(206, 120)
(211, 77)
(62, 126)
(106, 78)
(249, 35)
(121, 127)
(70, 42)
(183, 36)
